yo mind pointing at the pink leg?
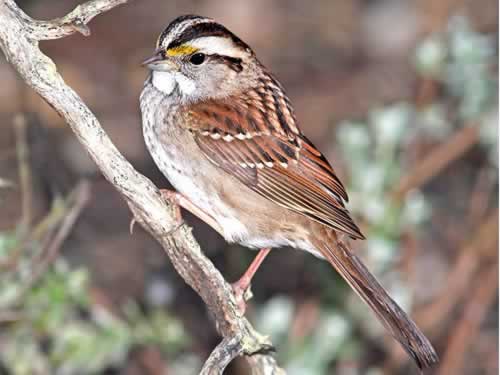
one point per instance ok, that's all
(241, 286)
(179, 200)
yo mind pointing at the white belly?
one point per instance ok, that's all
(191, 182)
(188, 175)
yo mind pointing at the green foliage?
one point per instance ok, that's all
(463, 60)
(55, 327)
(374, 151)
(309, 354)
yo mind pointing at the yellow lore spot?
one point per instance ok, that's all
(181, 50)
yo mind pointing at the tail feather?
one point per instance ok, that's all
(397, 322)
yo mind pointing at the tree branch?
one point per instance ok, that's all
(19, 37)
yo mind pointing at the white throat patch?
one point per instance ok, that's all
(166, 82)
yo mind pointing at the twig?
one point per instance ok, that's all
(427, 89)
(438, 159)
(25, 182)
(468, 261)
(42, 229)
(481, 194)
(77, 201)
(481, 297)
(10, 316)
(305, 319)
(24, 173)
(19, 37)
(75, 21)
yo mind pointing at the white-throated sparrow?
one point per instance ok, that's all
(221, 129)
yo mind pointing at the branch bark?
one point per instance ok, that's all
(19, 38)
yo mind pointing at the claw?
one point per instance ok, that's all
(172, 197)
(242, 294)
(131, 225)
(176, 228)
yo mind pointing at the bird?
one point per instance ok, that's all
(221, 129)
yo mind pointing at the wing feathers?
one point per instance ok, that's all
(255, 138)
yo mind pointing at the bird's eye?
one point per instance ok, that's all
(197, 59)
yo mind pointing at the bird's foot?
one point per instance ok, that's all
(177, 200)
(174, 199)
(242, 291)
(242, 288)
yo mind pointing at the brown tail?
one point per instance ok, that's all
(369, 289)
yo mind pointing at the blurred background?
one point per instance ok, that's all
(401, 96)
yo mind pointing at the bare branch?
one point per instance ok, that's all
(438, 159)
(221, 356)
(75, 21)
(19, 36)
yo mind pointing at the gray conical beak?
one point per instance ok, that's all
(160, 62)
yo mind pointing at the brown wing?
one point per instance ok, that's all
(255, 138)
